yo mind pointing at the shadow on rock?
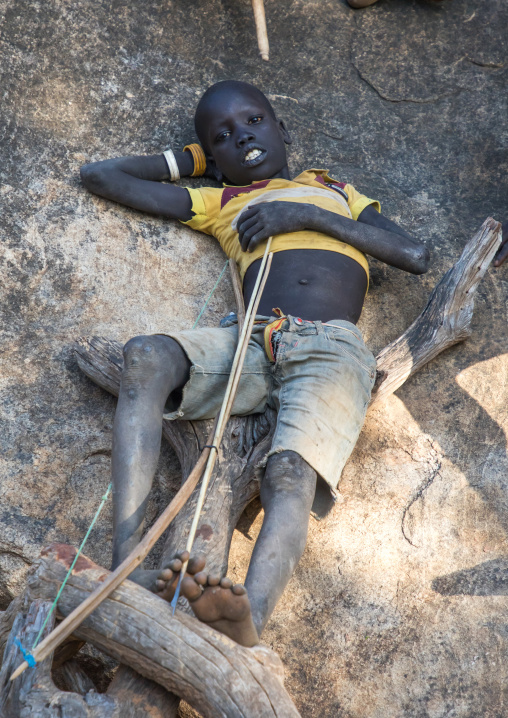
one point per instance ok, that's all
(486, 579)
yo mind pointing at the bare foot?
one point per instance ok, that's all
(222, 606)
(163, 581)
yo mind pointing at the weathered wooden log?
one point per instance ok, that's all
(211, 672)
(25, 628)
(7, 618)
(446, 319)
(72, 678)
(129, 688)
(35, 694)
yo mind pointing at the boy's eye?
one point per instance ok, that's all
(222, 136)
(254, 120)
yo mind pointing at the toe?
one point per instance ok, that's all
(226, 582)
(239, 590)
(160, 585)
(166, 574)
(213, 580)
(196, 564)
(201, 578)
(175, 565)
(190, 589)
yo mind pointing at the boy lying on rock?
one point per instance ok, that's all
(306, 359)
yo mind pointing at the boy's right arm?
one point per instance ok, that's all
(136, 182)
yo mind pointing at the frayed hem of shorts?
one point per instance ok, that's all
(277, 450)
(179, 413)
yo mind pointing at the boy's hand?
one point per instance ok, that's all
(502, 252)
(265, 219)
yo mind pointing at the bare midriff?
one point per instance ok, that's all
(312, 284)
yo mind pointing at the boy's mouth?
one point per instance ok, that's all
(253, 156)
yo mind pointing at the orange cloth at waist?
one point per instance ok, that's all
(270, 329)
(275, 326)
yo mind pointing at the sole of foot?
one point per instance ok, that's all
(222, 606)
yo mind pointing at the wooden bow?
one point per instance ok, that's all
(206, 461)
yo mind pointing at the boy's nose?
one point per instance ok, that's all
(244, 136)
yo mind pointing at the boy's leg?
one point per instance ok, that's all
(157, 368)
(287, 492)
(154, 367)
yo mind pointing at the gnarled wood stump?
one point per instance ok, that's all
(210, 671)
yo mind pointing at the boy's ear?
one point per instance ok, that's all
(285, 134)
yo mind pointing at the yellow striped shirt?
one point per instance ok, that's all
(216, 212)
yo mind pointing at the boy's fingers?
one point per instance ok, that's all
(247, 214)
(248, 236)
(257, 239)
(245, 224)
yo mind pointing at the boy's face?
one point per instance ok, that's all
(246, 142)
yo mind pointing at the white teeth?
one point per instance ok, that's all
(252, 155)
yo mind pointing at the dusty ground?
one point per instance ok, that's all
(398, 608)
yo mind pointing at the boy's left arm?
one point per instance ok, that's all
(371, 234)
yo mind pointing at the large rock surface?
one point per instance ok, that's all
(398, 607)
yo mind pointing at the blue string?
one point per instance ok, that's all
(177, 593)
(210, 295)
(26, 654)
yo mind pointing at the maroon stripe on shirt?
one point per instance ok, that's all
(229, 193)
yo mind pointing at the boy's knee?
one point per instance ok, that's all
(286, 472)
(143, 351)
(151, 352)
(154, 358)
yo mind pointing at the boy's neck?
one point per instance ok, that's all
(282, 174)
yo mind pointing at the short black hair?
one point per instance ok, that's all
(226, 86)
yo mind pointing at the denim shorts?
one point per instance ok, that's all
(320, 384)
